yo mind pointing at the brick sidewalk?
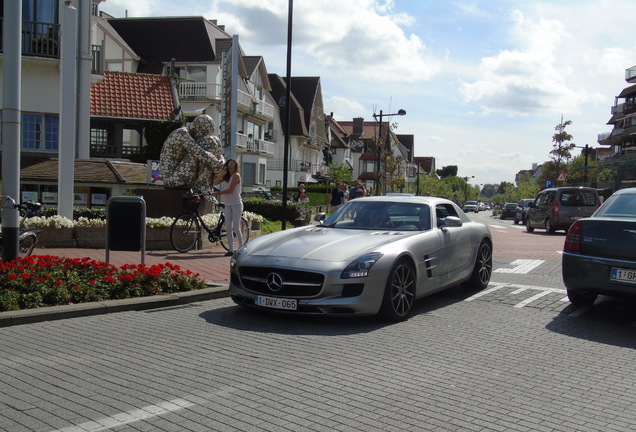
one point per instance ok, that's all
(211, 264)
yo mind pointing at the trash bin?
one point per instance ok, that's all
(126, 225)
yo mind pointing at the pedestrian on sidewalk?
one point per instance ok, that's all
(230, 184)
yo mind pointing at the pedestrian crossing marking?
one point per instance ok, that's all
(521, 266)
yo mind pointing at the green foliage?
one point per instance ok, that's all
(339, 172)
(576, 172)
(447, 171)
(562, 148)
(78, 212)
(272, 210)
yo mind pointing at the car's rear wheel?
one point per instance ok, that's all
(399, 293)
(483, 267)
(528, 227)
(579, 298)
(548, 227)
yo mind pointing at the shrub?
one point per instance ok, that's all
(78, 212)
(272, 210)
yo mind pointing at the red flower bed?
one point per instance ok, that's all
(44, 280)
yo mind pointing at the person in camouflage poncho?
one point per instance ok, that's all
(191, 156)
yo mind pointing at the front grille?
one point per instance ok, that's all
(295, 283)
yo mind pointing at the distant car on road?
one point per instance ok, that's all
(521, 210)
(557, 208)
(373, 255)
(471, 206)
(508, 211)
(599, 254)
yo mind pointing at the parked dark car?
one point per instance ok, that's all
(557, 208)
(599, 254)
(508, 211)
(521, 210)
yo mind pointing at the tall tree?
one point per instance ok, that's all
(339, 172)
(447, 171)
(562, 148)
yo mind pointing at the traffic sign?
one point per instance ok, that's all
(548, 184)
(562, 177)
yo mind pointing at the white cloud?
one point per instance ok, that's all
(353, 37)
(343, 108)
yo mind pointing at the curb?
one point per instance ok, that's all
(52, 313)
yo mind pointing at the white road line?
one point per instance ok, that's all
(543, 291)
(487, 291)
(521, 266)
(120, 419)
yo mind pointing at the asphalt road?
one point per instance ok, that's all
(515, 356)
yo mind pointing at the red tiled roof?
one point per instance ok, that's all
(133, 95)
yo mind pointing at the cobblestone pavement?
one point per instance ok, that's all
(513, 357)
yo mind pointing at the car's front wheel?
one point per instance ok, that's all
(578, 298)
(399, 293)
(516, 221)
(528, 227)
(483, 267)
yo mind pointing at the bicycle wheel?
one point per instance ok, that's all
(185, 232)
(245, 230)
(26, 244)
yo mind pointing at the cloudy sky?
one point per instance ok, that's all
(483, 82)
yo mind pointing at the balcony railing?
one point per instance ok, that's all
(255, 105)
(200, 90)
(254, 145)
(317, 112)
(603, 136)
(40, 39)
(294, 165)
(630, 73)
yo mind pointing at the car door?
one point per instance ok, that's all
(455, 249)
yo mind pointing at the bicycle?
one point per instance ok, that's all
(27, 240)
(185, 231)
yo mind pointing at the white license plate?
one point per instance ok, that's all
(276, 303)
(623, 275)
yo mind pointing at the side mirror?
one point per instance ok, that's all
(320, 217)
(452, 221)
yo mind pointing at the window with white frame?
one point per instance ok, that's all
(39, 132)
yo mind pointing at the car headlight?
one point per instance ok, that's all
(361, 266)
(236, 256)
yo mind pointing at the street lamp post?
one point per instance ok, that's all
(587, 151)
(417, 177)
(379, 149)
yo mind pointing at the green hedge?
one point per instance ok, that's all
(272, 210)
(88, 213)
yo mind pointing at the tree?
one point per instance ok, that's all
(562, 148)
(339, 172)
(576, 172)
(447, 171)
(394, 171)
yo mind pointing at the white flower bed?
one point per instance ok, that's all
(57, 221)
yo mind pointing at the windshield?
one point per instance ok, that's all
(373, 215)
(623, 205)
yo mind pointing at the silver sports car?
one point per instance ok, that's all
(373, 255)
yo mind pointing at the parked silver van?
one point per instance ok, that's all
(557, 208)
